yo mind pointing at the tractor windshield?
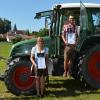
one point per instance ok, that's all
(47, 16)
(96, 20)
(75, 12)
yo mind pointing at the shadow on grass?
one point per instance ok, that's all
(20, 98)
(71, 87)
(59, 87)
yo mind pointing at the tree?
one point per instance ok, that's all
(1, 26)
(15, 28)
(34, 33)
(43, 32)
(7, 25)
(27, 32)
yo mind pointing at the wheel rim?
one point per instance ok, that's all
(94, 66)
(22, 79)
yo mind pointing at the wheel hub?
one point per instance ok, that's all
(98, 65)
(22, 79)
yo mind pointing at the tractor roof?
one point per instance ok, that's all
(77, 5)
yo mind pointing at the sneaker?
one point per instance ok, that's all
(68, 76)
(64, 74)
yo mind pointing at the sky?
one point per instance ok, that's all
(22, 12)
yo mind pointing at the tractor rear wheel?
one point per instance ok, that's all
(91, 67)
(18, 80)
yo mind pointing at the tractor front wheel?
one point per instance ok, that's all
(18, 80)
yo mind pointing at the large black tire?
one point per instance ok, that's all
(91, 67)
(18, 80)
(73, 68)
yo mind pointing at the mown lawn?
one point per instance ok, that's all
(59, 88)
(4, 52)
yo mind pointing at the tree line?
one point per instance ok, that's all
(42, 32)
(5, 25)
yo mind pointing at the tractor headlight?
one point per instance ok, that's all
(26, 51)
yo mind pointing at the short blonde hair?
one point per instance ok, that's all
(40, 39)
(71, 16)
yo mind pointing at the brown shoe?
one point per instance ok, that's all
(38, 95)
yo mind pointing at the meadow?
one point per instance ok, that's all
(59, 88)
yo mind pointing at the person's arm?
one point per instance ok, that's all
(32, 57)
(63, 36)
(32, 60)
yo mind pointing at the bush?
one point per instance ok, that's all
(17, 38)
(2, 39)
(43, 32)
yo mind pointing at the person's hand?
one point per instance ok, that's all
(31, 68)
(65, 42)
(35, 65)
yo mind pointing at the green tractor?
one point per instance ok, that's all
(86, 59)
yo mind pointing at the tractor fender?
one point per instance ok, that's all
(16, 58)
(89, 42)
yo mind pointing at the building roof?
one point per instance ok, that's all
(77, 5)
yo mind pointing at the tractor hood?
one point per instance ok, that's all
(24, 47)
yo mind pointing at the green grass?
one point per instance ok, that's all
(59, 88)
(4, 52)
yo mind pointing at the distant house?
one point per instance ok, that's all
(9, 36)
(19, 32)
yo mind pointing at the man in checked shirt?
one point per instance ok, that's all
(69, 37)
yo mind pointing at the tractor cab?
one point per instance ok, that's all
(56, 18)
(89, 26)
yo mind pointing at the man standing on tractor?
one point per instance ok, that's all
(69, 36)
